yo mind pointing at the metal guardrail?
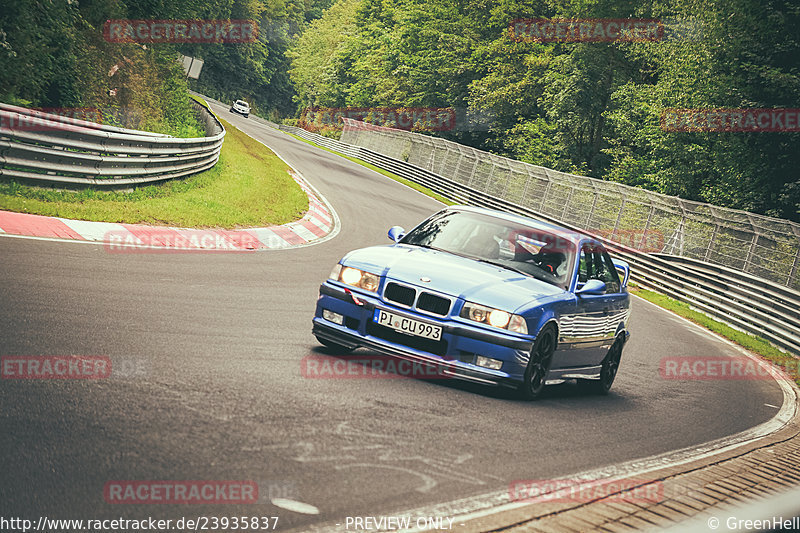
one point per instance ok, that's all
(744, 301)
(46, 149)
(763, 246)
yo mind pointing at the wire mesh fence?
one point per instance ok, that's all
(765, 247)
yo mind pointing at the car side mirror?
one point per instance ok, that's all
(396, 233)
(593, 286)
(624, 271)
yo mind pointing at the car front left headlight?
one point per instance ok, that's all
(355, 277)
(494, 317)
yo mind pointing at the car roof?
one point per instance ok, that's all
(559, 231)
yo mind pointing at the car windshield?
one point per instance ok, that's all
(530, 251)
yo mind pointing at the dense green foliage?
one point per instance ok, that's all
(53, 54)
(257, 71)
(592, 108)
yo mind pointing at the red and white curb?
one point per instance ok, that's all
(319, 224)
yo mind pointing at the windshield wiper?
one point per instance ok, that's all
(542, 277)
(459, 254)
(501, 265)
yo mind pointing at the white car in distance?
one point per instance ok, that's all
(241, 107)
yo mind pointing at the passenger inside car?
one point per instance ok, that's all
(483, 243)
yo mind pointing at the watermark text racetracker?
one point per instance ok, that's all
(593, 30)
(55, 367)
(585, 490)
(585, 30)
(730, 120)
(403, 118)
(40, 119)
(161, 240)
(366, 367)
(180, 492)
(724, 368)
(635, 240)
(196, 523)
(180, 31)
(92, 367)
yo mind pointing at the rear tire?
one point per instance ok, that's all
(608, 371)
(334, 348)
(538, 365)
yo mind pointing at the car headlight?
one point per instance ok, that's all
(355, 278)
(494, 317)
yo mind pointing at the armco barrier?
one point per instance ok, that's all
(744, 301)
(46, 149)
(763, 246)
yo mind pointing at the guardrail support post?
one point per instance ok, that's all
(472, 173)
(458, 165)
(546, 190)
(566, 204)
(793, 273)
(750, 251)
(591, 211)
(490, 179)
(711, 243)
(647, 226)
(619, 217)
(508, 181)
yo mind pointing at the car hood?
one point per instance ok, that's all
(471, 280)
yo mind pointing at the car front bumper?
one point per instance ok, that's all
(461, 343)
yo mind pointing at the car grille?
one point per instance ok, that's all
(426, 301)
(399, 294)
(433, 304)
(418, 343)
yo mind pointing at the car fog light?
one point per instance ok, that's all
(330, 316)
(488, 362)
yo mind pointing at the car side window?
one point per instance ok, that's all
(610, 275)
(595, 263)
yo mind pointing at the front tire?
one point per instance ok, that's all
(608, 371)
(539, 364)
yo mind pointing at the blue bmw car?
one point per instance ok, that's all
(484, 296)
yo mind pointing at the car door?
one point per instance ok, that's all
(587, 332)
(618, 297)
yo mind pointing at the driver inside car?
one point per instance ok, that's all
(546, 258)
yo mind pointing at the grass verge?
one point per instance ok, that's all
(248, 187)
(417, 187)
(746, 340)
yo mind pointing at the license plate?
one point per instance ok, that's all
(408, 326)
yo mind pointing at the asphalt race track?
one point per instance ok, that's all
(214, 342)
